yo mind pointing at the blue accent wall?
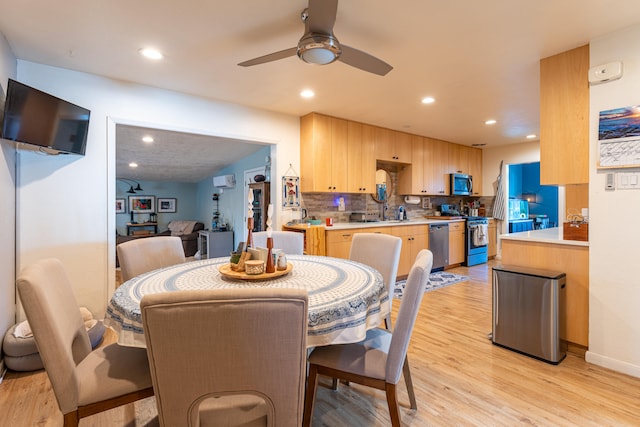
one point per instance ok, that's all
(525, 178)
(184, 193)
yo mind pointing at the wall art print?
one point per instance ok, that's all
(291, 191)
(619, 138)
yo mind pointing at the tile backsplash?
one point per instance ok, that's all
(323, 205)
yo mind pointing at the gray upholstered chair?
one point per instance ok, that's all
(291, 242)
(84, 382)
(378, 360)
(382, 252)
(143, 255)
(227, 356)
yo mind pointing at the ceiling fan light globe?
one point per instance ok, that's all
(319, 49)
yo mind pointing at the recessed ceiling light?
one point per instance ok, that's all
(133, 165)
(428, 100)
(490, 122)
(532, 136)
(148, 139)
(307, 93)
(151, 53)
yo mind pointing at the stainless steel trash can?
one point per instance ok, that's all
(528, 312)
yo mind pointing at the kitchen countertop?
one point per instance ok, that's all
(547, 235)
(352, 225)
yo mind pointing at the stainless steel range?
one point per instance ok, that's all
(477, 241)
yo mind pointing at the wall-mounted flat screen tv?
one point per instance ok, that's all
(43, 120)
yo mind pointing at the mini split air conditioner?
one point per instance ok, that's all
(224, 181)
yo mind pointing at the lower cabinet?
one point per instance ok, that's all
(338, 242)
(456, 242)
(492, 248)
(414, 239)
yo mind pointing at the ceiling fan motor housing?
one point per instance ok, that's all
(319, 49)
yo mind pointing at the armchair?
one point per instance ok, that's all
(188, 233)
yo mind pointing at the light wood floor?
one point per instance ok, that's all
(461, 379)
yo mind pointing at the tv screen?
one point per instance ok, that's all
(35, 117)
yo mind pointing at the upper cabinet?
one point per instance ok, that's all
(323, 153)
(429, 169)
(361, 161)
(564, 118)
(392, 146)
(338, 155)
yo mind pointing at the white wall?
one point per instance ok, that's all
(614, 238)
(66, 203)
(527, 152)
(8, 205)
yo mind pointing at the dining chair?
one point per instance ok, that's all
(84, 382)
(377, 361)
(142, 255)
(291, 242)
(382, 252)
(227, 356)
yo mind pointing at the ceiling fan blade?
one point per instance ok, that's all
(322, 16)
(270, 57)
(364, 61)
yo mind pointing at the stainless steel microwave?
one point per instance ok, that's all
(461, 184)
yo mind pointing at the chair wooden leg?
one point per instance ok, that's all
(392, 401)
(310, 397)
(71, 419)
(407, 379)
(334, 384)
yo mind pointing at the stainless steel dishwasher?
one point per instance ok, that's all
(439, 245)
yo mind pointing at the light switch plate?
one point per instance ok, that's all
(628, 180)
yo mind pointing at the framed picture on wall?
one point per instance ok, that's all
(142, 204)
(121, 206)
(167, 205)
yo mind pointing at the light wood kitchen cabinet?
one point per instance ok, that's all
(438, 153)
(414, 178)
(414, 239)
(458, 159)
(392, 146)
(361, 161)
(456, 242)
(564, 118)
(429, 170)
(492, 230)
(323, 153)
(338, 242)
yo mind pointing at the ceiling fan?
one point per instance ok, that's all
(319, 45)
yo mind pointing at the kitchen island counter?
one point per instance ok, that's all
(547, 235)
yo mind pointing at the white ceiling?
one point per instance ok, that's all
(478, 59)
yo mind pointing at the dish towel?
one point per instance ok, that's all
(480, 233)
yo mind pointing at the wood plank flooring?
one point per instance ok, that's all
(461, 379)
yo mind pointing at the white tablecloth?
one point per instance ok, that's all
(346, 298)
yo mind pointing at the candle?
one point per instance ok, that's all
(269, 222)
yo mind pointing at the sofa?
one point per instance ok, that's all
(186, 230)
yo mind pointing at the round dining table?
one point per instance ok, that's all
(346, 298)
